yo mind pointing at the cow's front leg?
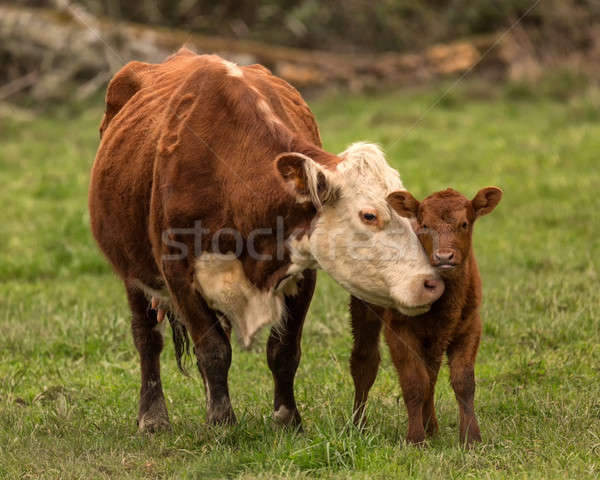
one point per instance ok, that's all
(284, 350)
(152, 413)
(211, 343)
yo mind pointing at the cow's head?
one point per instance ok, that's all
(356, 236)
(445, 222)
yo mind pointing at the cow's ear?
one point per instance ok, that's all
(486, 200)
(305, 179)
(404, 204)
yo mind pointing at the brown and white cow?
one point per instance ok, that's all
(212, 198)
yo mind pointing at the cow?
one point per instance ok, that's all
(214, 202)
(444, 222)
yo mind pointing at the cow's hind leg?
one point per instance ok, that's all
(284, 350)
(152, 414)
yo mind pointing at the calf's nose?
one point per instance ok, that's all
(443, 255)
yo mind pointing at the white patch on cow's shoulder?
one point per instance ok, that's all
(221, 280)
(267, 113)
(233, 69)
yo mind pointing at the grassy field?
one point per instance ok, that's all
(69, 372)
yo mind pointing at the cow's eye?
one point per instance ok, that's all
(465, 225)
(369, 217)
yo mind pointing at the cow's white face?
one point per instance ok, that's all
(358, 239)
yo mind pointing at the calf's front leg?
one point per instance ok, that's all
(408, 359)
(429, 418)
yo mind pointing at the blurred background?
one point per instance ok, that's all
(53, 49)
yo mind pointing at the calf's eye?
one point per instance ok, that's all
(369, 216)
(465, 225)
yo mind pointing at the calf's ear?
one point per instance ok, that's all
(305, 179)
(486, 200)
(404, 204)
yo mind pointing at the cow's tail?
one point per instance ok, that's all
(181, 342)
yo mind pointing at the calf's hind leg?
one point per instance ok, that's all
(284, 350)
(461, 357)
(152, 414)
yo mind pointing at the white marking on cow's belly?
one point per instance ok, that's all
(221, 281)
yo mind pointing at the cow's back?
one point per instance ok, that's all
(172, 148)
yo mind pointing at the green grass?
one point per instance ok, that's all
(69, 371)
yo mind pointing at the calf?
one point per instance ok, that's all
(444, 223)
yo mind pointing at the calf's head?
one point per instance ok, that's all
(356, 236)
(444, 222)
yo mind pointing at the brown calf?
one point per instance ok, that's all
(452, 326)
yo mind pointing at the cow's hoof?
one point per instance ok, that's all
(287, 418)
(221, 416)
(155, 418)
(360, 421)
(153, 424)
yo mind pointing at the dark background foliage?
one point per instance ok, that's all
(357, 25)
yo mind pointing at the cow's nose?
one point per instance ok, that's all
(433, 288)
(443, 256)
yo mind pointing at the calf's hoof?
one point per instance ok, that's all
(418, 440)
(155, 418)
(288, 418)
(431, 428)
(471, 440)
